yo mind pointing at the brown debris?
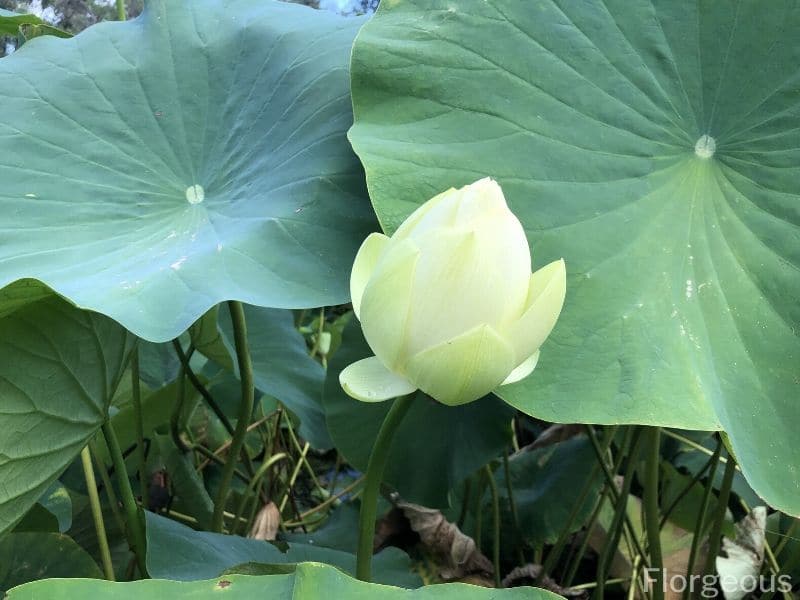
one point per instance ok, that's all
(455, 551)
(266, 524)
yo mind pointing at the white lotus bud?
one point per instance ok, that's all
(448, 303)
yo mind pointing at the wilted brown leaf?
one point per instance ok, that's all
(266, 524)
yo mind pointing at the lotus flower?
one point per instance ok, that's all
(448, 303)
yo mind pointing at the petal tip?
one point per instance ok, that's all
(368, 380)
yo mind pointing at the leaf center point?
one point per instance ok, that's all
(705, 146)
(195, 194)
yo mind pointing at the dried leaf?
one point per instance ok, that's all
(455, 551)
(266, 524)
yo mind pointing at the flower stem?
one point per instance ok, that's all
(134, 526)
(136, 393)
(374, 475)
(495, 524)
(245, 411)
(700, 524)
(715, 536)
(652, 520)
(97, 513)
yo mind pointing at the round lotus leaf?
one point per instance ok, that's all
(652, 144)
(153, 168)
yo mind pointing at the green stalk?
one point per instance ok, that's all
(576, 559)
(700, 524)
(201, 389)
(466, 496)
(136, 392)
(374, 475)
(112, 496)
(558, 548)
(611, 486)
(251, 490)
(97, 513)
(121, 13)
(513, 505)
(615, 531)
(652, 521)
(715, 537)
(175, 417)
(495, 525)
(713, 459)
(134, 528)
(245, 411)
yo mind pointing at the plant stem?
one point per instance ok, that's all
(97, 514)
(605, 493)
(611, 485)
(201, 389)
(134, 527)
(558, 548)
(374, 475)
(700, 524)
(514, 514)
(121, 13)
(107, 485)
(652, 521)
(136, 392)
(713, 459)
(293, 479)
(495, 525)
(715, 536)
(175, 417)
(615, 530)
(245, 411)
(253, 485)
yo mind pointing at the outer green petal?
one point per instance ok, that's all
(369, 380)
(364, 265)
(464, 368)
(386, 302)
(546, 293)
(522, 370)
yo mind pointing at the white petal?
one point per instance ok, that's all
(386, 303)
(439, 211)
(522, 370)
(548, 287)
(364, 265)
(369, 380)
(464, 368)
(464, 278)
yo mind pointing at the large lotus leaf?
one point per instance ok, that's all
(59, 367)
(175, 551)
(155, 167)
(30, 556)
(434, 448)
(652, 144)
(308, 581)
